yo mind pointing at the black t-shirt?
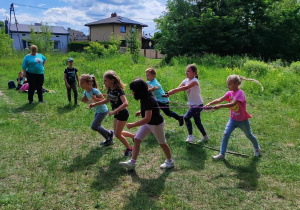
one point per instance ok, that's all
(151, 104)
(70, 74)
(115, 97)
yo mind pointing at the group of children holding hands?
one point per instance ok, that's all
(152, 98)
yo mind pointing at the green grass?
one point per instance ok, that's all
(51, 159)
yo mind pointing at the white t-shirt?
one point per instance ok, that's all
(194, 93)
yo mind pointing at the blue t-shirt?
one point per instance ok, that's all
(99, 108)
(34, 63)
(159, 92)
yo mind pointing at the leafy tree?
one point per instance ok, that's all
(133, 44)
(6, 43)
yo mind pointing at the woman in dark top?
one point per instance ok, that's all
(151, 122)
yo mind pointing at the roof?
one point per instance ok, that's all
(25, 28)
(117, 20)
(147, 36)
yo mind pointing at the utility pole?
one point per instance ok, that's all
(16, 22)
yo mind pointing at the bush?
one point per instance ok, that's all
(79, 46)
(295, 67)
(256, 68)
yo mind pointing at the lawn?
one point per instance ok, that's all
(51, 158)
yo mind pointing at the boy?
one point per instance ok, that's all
(70, 74)
(158, 92)
(21, 80)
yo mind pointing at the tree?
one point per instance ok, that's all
(6, 43)
(133, 44)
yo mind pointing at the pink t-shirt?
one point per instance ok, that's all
(239, 111)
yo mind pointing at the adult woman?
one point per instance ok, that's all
(33, 69)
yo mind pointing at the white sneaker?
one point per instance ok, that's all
(219, 157)
(128, 164)
(257, 152)
(167, 164)
(190, 139)
(204, 139)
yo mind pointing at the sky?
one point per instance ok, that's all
(75, 14)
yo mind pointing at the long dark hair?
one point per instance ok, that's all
(140, 89)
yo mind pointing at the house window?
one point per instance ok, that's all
(57, 36)
(56, 45)
(23, 34)
(24, 44)
(132, 30)
(123, 29)
(123, 43)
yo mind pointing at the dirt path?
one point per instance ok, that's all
(5, 98)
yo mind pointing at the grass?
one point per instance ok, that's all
(51, 159)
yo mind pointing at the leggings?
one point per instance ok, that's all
(195, 113)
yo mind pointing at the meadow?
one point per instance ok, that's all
(51, 159)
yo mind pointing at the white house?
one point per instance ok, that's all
(60, 36)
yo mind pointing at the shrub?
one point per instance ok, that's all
(295, 67)
(256, 68)
(95, 48)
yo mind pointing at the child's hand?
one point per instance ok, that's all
(207, 106)
(166, 95)
(110, 113)
(94, 98)
(129, 125)
(92, 105)
(138, 113)
(68, 86)
(217, 107)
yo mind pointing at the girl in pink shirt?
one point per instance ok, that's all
(238, 114)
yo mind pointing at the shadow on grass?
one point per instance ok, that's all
(196, 154)
(64, 109)
(108, 176)
(149, 192)
(26, 107)
(80, 163)
(247, 175)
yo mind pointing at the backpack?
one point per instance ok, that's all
(24, 87)
(11, 85)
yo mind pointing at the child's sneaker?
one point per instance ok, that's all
(181, 120)
(167, 164)
(128, 164)
(128, 152)
(204, 139)
(190, 139)
(111, 136)
(257, 152)
(219, 157)
(107, 143)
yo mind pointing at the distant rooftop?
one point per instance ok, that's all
(25, 28)
(118, 20)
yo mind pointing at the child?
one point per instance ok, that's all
(151, 122)
(118, 101)
(21, 80)
(192, 87)
(158, 92)
(92, 94)
(70, 74)
(238, 114)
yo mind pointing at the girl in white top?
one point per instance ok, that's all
(192, 87)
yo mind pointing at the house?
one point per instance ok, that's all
(60, 36)
(77, 35)
(101, 30)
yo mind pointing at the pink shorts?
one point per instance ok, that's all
(157, 130)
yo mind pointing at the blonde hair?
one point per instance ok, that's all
(194, 68)
(238, 79)
(112, 75)
(89, 79)
(151, 71)
(33, 47)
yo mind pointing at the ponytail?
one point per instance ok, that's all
(94, 82)
(238, 79)
(194, 68)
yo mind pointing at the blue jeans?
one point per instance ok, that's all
(195, 113)
(167, 110)
(96, 125)
(244, 126)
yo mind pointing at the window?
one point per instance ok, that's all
(132, 30)
(57, 36)
(123, 29)
(123, 43)
(56, 45)
(24, 44)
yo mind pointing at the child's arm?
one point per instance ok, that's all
(145, 120)
(76, 75)
(84, 99)
(104, 101)
(123, 106)
(65, 78)
(181, 87)
(219, 100)
(151, 89)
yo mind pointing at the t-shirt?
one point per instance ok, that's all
(194, 93)
(115, 97)
(99, 108)
(71, 74)
(21, 80)
(159, 92)
(238, 112)
(34, 63)
(150, 103)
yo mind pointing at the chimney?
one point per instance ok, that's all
(113, 14)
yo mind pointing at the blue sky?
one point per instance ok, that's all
(75, 13)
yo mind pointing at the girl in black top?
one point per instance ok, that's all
(151, 122)
(118, 101)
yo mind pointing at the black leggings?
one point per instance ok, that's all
(36, 82)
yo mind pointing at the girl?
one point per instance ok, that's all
(151, 122)
(192, 87)
(238, 114)
(118, 101)
(92, 94)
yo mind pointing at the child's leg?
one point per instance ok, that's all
(166, 150)
(231, 125)
(187, 119)
(74, 88)
(128, 134)
(167, 110)
(245, 127)
(96, 125)
(118, 128)
(140, 135)
(69, 93)
(197, 119)
(136, 149)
